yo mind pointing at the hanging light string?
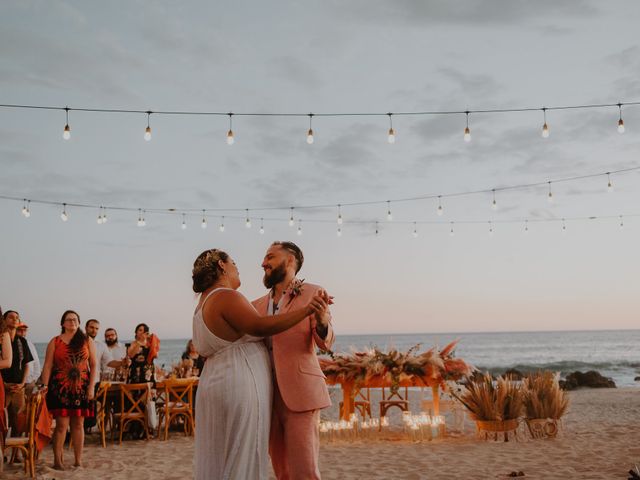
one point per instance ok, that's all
(340, 205)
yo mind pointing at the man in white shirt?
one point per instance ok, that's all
(115, 354)
(34, 365)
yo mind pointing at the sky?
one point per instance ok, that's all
(323, 57)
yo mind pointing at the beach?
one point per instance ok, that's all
(599, 439)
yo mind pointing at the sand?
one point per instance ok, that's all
(600, 439)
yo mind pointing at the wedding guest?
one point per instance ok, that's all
(34, 365)
(92, 328)
(233, 407)
(70, 375)
(16, 375)
(192, 354)
(116, 354)
(299, 387)
(5, 362)
(142, 352)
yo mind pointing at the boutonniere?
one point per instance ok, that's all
(295, 289)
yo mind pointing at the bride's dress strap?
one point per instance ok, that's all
(211, 293)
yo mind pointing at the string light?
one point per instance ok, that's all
(392, 133)
(141, 221)
(247, 222)
(609, 184)
(147, 131)
(104, 214)
(494, 205)
(467, 131)
(230, 137)
(184, 222)
(66, 133)
(564, 226)
(291, 221)
(339, 232)
(526, 226)
(490, 228)
(451, 231)
(25, 208)
(545, 127)
(439, 210)
(377, 229)
(299, 227)
(415, 230)
(221, 227)
(389, 216)
(310, 132)
(262, 226)
(99, 220)
(203, 224)
(620, 121)
(64, 216)
(550, 194)
(621, 223)
(339, 216)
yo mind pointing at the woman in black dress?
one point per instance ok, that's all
(142, 352)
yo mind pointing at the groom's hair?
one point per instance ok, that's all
(294, 250)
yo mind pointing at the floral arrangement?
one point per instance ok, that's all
(431, 367)
(543, 397)
(489, 401)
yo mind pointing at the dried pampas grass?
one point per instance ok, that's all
(543, 397)
(487, 400)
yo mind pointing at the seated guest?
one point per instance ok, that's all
(34, 365)
(142, 352)
(16, 375)
(192, 354)
(115, 357)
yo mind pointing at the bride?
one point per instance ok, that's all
(233, 402)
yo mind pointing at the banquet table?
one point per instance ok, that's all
(349, 388)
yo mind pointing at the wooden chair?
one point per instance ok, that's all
(101, 410)
(27, 444)
(361, 402)
(178, 402)
(395, 399)
(133, 402)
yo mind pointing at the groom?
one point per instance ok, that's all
(299, 388)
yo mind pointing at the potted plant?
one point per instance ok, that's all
(495, 406)
(544, 403)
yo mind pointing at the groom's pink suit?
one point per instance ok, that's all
(300, 390)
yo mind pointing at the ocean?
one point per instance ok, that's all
(614, 353)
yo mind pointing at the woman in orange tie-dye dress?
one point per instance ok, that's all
(70, 372)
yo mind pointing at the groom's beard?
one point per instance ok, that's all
(274, 277)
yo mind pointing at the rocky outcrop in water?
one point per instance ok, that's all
(590, 379)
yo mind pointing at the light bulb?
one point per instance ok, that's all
(147, 134)
(339, 219)
(545, 130)
(99, 221)
(392, 136)
(64, 216)
(467, 134)
(620, 126)
(339, 232)
(389, 216)
(27, 213)
(299, 231)
(184, 225)
(310, 136)
(621, 223)
(451, 231)
(550, 197)
(25, 209)
(104, 217)
(140, 222)
(221, 227)
(291, 222)
(66, 134)
(609, 184)
(415, 234)
(494, 205)
(261, 230)
(203, 224)
(230, 138)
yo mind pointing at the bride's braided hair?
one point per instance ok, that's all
(206, 269)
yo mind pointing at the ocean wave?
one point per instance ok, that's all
(566, 366)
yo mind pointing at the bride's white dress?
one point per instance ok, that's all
(233, 406)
